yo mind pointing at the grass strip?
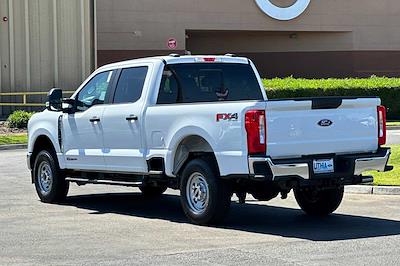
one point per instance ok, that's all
(13, 139)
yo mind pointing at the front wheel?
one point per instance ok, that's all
(205, 197)
(319, 203)
(50, 183)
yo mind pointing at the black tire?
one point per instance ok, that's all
(153, 191)
(319, 203)
(46, 168)
(216, 191)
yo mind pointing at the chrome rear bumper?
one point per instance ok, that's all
(370, 164)
(280, 170)
(355, 165)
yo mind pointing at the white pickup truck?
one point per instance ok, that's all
(204, 125)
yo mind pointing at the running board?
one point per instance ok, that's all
(83, 181)
(156, 172)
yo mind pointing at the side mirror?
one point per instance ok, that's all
(54, 100)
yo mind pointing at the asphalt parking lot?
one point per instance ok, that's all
(109, 225)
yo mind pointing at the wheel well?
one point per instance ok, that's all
(41, 143)
(193, 147)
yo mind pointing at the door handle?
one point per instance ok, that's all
(94, 119)
(132, 118)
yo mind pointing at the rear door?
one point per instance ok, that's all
(123, 120)
(321, 126)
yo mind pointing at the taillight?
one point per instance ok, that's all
(256, 132)
(381, 125)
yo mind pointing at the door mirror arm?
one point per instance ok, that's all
(69, 105)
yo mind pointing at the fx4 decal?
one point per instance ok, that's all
(227, 117)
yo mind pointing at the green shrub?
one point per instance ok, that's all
(388, 89)
(19, 119)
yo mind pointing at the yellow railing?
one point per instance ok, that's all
(25, 96)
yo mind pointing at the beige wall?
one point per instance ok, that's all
(44, 44)
(51, 43)
(147, 24)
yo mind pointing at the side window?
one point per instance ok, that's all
(94, 91)
(130, 85)
(168, 93)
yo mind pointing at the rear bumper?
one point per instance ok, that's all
(346, 167)
(372, 163)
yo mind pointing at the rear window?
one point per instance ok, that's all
(130, 85)
(208, 82)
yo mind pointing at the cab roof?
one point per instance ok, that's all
(180, 59)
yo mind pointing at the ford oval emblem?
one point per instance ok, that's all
(325, 123)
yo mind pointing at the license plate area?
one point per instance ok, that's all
(323, 166)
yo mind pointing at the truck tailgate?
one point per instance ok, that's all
(321, 126)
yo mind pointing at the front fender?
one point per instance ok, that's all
(44, 124)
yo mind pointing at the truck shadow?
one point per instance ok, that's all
(279, 221)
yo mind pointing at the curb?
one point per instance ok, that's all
(13, 147)
(393, 128)
(373, 190)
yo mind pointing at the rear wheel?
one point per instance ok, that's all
(205, 197)
(153, 191)
(49, 181)
(319, 203)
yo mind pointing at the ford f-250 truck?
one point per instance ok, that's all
(204, 125)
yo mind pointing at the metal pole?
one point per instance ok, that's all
(11, 43)
(55, 43)
(95, 32)
(27, 47)
(83, 48)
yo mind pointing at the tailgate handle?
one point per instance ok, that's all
(326, 103)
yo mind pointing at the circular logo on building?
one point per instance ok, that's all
(172, 43)
(283, 13)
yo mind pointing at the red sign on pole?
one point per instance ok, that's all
(172, 43)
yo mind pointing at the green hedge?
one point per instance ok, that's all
(388, 89)
(19, 119)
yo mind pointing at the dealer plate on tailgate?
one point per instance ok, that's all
(323, 166)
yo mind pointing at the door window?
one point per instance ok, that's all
(94, 92)
(130, 85)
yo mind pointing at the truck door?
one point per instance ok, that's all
(123, 121)
(83, 130)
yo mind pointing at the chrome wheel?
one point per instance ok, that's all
(45, 177)
(197, 193)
